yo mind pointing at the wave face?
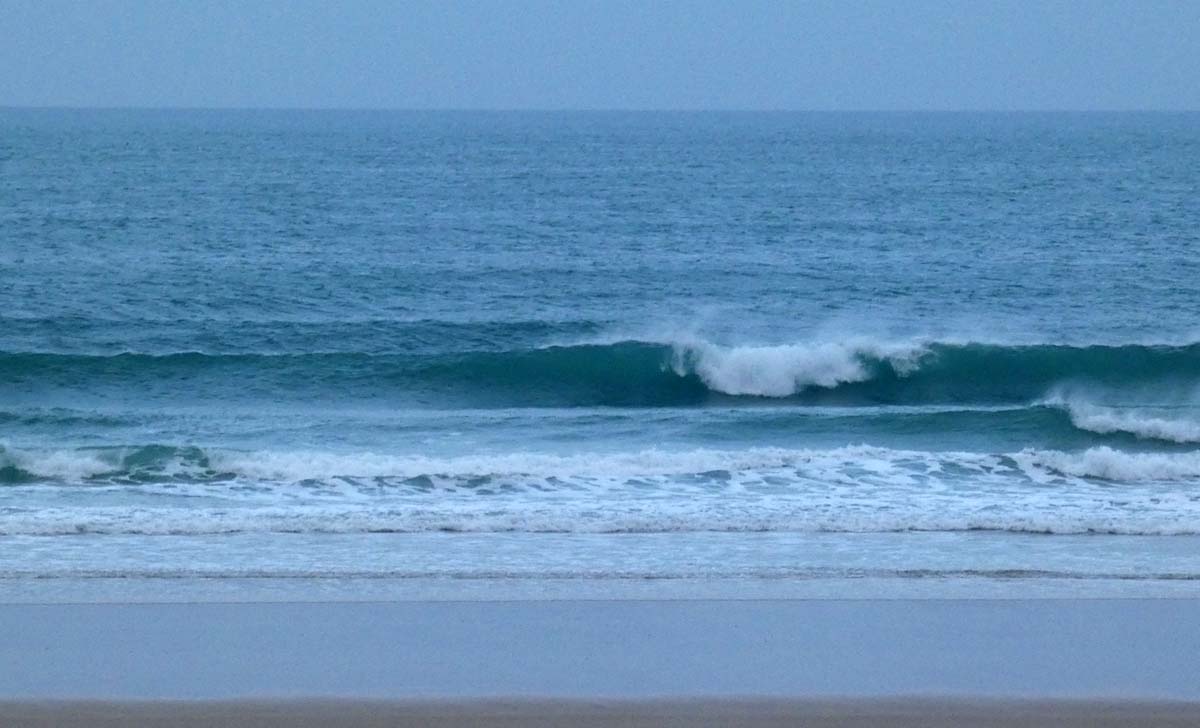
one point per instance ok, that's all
(642, 373)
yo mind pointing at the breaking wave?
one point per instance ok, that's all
(859, 463)
(639, 373)
(838, 464)
(1141, 424)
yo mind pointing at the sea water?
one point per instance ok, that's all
(398, 354)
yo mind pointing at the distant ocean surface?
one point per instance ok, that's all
(398, 353)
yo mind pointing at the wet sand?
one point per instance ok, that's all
(1033, 649)
(605, 714)
(594, 664)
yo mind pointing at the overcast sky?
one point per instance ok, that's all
(654, 54)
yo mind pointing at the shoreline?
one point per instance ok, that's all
(740, 713)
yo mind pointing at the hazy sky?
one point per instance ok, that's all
(852, 54)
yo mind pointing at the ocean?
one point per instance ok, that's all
(358, 355)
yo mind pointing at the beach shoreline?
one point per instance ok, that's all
(742, 713)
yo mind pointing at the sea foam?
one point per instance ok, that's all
(1108, 420)
(784, 370)
(1108, 464)
(847, 489)
(848, 464)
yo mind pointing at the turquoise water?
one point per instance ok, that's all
(948, 348)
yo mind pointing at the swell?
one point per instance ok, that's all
(629, 373)
(1049, 424)
(85, 335)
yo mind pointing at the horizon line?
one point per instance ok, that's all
(593, 110)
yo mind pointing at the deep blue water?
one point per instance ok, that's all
(262, 324)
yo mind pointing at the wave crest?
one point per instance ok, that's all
(1106, 463)
(786, 370)
(1109, 420)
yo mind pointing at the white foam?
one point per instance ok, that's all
(784, 370)
(295, 466)
(70, 465)
(818, 510)
(1107, 420)
(842, 464)
(1110, 464)
(855, 489)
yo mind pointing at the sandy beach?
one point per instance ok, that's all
(601, 663)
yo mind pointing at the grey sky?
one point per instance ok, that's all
(930, 54)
